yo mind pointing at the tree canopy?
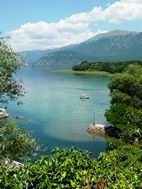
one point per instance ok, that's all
(10, 63)
(15, 142)
(111, 67)
(126, 87)
(125, 112)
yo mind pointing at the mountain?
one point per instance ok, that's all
(116, 45)
(32, 56)
(62, 59)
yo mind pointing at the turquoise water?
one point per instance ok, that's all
(54, 112)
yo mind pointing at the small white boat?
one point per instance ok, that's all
(84, 96)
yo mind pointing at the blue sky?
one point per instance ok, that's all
(42, 24)
(14, 13)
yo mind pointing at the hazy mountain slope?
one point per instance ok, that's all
(62, 59)
(114, 46)
(32, 56)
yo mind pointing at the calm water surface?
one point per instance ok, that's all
(54, 112)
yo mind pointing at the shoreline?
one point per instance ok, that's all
(95, 73)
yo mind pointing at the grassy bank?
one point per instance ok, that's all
(94, 72)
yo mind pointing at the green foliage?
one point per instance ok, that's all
(10, 63)
(125, 113)
(112, 67)
(124, 83)
(114, 143)
(127, 120)
(115, 115)
(71, 168)
(15, 142)
(81, 67)
(126, 87)
(123, 98)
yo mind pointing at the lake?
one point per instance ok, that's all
(56, 115)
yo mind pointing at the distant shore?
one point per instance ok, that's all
(88, 72)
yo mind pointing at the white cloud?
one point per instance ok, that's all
(73, 29)
(42, 35)
(124, 10)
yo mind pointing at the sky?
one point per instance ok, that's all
(43, 24)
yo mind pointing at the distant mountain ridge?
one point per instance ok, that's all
(62, 59)
(116, 45)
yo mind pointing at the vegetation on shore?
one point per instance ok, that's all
(87, 72)
(120, 166)
(109, 67)
(125, 112)
(99, 68)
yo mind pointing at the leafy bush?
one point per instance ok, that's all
(72, 168)
(15, 143)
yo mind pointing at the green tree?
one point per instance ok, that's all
(10, 63)
(111, 67)
(125, 112)
(126, 87)
(15, 143)
(127, 120)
